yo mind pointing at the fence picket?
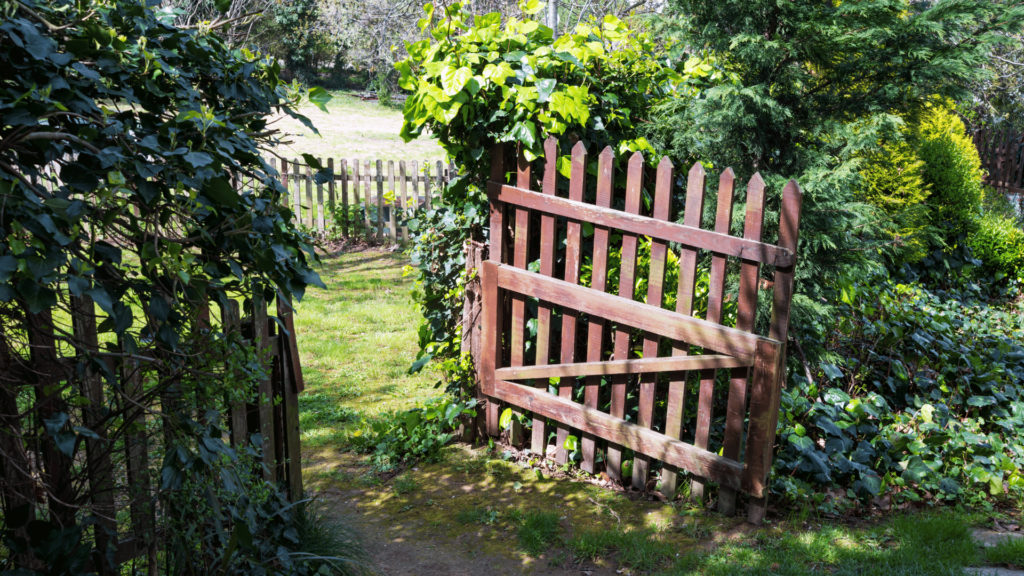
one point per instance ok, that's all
(520, 260)
(716, 289)
(627, 271)
(321, 222)
(403, 202)
(746, 311)
(676, 409)
(655, 281)
(577, 184)
(392, 217)
(344, 196)
(492, 322)
(599, 278)
(539, 439)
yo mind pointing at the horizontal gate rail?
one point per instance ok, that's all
(639, 366)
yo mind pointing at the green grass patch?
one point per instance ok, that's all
(357, 340)
(1009, 552)
(537, 532)
(406, 485)
(922, 545)
(636, 548)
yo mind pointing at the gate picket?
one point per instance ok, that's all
(716, 289)
(598, 281)
(539, 440)
(520, 260)
(655, 281)
(676, 409)
(577, 183)
(627, 272)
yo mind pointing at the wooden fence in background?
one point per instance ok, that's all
(370, 199)
(1002, 159)
(119, 460)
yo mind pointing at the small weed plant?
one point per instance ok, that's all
(404, 436)
(537, 532)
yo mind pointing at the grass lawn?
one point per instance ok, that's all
(354, 129)
(357, 340)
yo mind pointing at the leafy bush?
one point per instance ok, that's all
(418, 433)
(477, 81)
(952, 166)
(925, 396)
(999, 244)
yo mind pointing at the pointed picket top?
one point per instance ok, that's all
(663, 190)
(605, 173)
(755, 181)
(634, 182)
(789, 217)
(550, 147)
(578, 176)
(723, 216)
(696, 183)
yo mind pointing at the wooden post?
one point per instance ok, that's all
(344, 197)
(471, 327)
(416, 176)
(356, 179)
(380, 202)
(261, 337)
(539, 438)
(99, 467)
(493, 321)
(321, 222)
(426, 184)
(520, 260)
(366, 199)
(309, 197)
(404, 202)
(392, 218)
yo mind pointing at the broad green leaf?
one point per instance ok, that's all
(222, 192)
(453, 80)
(319, 98)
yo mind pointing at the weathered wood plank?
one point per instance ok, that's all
(782, 298)
(627, 278)
(344, 197)
(380, 202)
(539, 438)
(493, 319)
(599, 424)
(393, 216)
(520, 259)
(332, 205)
(676, 409)
(598, 281)
(402, 201)
(570, 318)
(321, 222)
(655, 282)
(645, 365)
(665, 323)
(715, 242)
(261, 332)
(746, 310)
(716, 291)
(367, 175)
(291, 373)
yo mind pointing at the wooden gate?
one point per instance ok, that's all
(749, 357)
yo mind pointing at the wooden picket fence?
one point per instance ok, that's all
(114, 472)
(390, 191)
(755, 363)
(1002, 159)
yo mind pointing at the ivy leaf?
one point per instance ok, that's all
(198, 159)
(453, 80)
(524, 132)
(221, 192)
(420, 363)
(544, 89)
(980, 401)
(832, 371)
(312, 161)
(915, 469)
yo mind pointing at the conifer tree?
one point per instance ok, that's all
(817, 85)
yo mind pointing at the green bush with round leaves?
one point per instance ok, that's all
(999, 244)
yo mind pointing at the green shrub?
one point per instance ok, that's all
(999, 244)
(893, 177)
(924, 393)
(952, 167)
